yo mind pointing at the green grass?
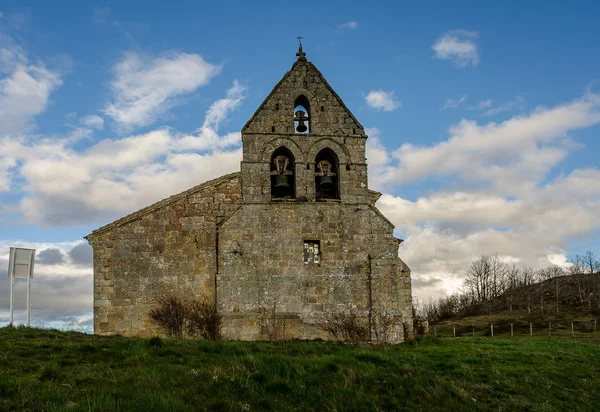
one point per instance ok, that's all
(50, 370)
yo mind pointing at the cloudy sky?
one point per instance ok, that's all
(483, 123)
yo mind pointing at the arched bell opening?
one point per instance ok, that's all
(327, 179)
(301, 115)
(283, 179)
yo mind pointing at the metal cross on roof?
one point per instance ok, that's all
(301, 55)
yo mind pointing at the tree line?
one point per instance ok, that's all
(493, 285)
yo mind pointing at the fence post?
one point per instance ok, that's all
(511, 330)
(435, 331)
(549, 328)
(473, 330)
(530, 329)
(454, 330)
(572, 330)
(594, 325)
(492, 329)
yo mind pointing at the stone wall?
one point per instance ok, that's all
(261, 250)
(169, 245)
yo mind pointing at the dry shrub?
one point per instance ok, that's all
(384, 326)
(204, 320)
(272, 325)
(180, 317)
(170, 314)
(345, 326)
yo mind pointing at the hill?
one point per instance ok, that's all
(554, 296)
(50, 370)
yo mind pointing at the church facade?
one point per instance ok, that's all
(295, 232)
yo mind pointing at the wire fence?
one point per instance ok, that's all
(576, 329)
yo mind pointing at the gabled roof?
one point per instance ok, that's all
(162, 203)
(297, 64)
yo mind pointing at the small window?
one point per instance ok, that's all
(312, 252)
(301, 115)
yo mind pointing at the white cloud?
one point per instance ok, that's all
(381, 100)
(506, 106)
(145, 88)
(93, 121)
(507, 157)
(348, 25)
(24, 90)
(454, 103)
(495, 201)
(481, 105)
(458, 46)
(116, 177)
(447, 230)
(207, 136)
(6, 164)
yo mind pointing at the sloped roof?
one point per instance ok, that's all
(285, 76)
(162, 203)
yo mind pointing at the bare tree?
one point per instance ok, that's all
(555, 272)
(577, 270)
(513, 279)
(591, 266)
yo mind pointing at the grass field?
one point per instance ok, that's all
(50, 370)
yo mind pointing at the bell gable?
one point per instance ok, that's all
(303, 86)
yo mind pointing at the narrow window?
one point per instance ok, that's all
(301, 115)
(322, 108)
(273, 129)
(312, 252)
(283, 180)
(276, 106)
(327, 175)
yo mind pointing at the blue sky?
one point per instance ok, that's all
(483, 121)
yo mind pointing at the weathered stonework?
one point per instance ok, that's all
(230, 240)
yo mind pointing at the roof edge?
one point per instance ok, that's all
(261, 106)
(160, 204)
(339, 99)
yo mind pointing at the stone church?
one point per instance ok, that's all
(295, 231)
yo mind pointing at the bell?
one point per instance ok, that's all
(281, 186)
(301, 128)
(326, 183)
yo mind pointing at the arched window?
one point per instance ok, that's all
(327, 179)
(301, 115)
(283, 180)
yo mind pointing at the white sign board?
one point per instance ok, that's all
(20, 263)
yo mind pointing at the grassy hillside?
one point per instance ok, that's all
(49, 370)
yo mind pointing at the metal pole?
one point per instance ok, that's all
(492, 329)
(530, 329)
(12, 284)
(28, 300)
(511, 330)
(572, 330)
(454, 330)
